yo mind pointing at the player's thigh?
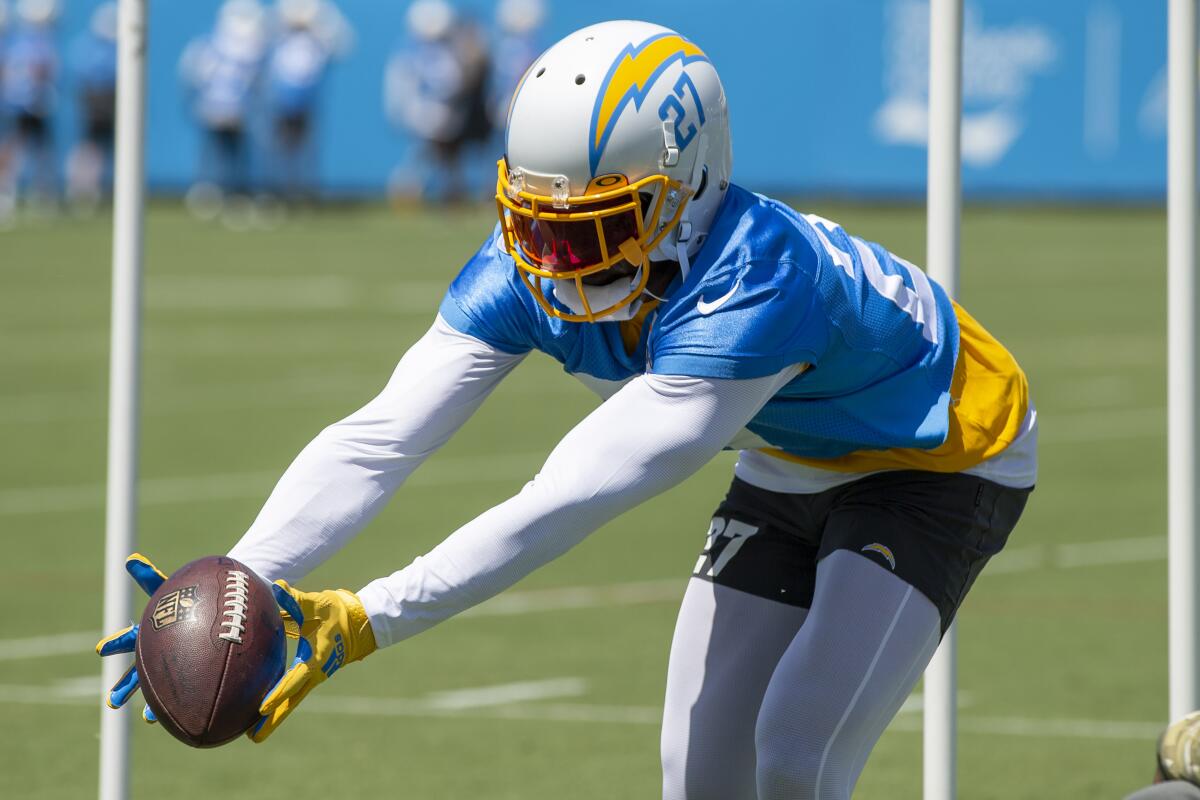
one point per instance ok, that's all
(732, 628)
(898, 553)
(935, 531)
(865, 643)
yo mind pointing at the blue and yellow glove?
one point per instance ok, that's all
(333, 629)
(149, 577)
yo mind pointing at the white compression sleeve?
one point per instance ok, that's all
(348, 472)
(649, 436)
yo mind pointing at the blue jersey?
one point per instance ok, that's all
(30, 68)
(296, 70)
(223, 72)
(771, 288)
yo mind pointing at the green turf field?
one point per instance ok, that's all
(254, 341)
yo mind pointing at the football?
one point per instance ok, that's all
(210, 646)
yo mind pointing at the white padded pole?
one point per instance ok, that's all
(944, 211)
(1182, 489)
(121, 504)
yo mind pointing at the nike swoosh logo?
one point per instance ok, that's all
(706, 307)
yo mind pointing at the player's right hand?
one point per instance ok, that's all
(333, 630)
(149, 577)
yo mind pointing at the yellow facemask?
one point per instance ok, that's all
(566, 238)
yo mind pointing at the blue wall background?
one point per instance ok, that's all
(1060, 99)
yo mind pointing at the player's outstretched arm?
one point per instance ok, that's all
(349, 471)
(649, 436)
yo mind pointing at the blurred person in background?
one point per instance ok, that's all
(310, 34)
(435, 91)
(27, 95)
(94, 64)
(222, 71)
(518, 28)
(471, 41)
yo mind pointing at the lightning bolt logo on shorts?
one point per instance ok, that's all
(883, 550)
(630, 79)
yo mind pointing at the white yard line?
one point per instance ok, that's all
(582, 712)
(445, 471)
(915, 703)
(1100, 426)
(233, 294)
(1112, 551)
(23, 694)
(1029, 727)
(1017, 559)
(187, 399)
(506, 694)
(670, 590)
(1141, 549)
(41, 646)
(574, 597)
(494, 703)
(87, 689)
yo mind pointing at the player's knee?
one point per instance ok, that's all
(793, 762)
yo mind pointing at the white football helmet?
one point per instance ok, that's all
(617, 150)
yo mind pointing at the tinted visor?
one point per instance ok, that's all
(561, 245)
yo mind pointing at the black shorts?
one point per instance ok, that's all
(935, 531)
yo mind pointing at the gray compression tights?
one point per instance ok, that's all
(767, 701)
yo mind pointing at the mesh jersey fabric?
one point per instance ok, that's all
(771, 288)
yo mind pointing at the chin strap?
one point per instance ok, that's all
(681, 243)
(683, 232)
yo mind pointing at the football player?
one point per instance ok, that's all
(94, 59)
(312, 34)
(221, 71)
(435, 91)
(28, 97)
(887, 441)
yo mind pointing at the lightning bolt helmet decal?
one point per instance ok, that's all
(630, 78)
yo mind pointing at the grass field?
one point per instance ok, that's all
(254, 341)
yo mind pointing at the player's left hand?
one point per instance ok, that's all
(149, 578)
(333, 630)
